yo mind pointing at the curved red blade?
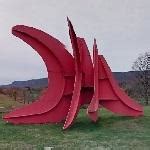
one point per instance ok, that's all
(76, 100)
(92, 110)
(112, 97)
(51, 50)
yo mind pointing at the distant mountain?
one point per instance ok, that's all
(40, 83)
(125, 76)
(34, 83)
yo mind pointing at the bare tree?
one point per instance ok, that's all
(142, 66)
(14, 95)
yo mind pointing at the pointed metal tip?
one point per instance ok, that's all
(95, 41)
(95, 44)
(68, 19)
(69, 22)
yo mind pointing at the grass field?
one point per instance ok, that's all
(7, 103)
(110, 133)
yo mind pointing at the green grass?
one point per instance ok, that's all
(110, 133)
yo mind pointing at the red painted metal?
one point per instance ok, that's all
(115, 99)
(107, 92)
(60, 74)
(73, 82)
(94, 104)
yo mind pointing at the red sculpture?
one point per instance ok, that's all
(73, 82)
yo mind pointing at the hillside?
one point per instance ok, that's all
(40, 83)
(34, 83)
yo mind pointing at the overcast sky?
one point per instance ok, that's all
(121, 27)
